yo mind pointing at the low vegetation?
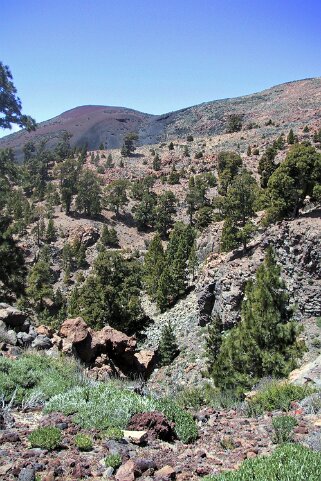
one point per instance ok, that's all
(107, 406)
(283, 428)
(35, 378)
(276, 396)
(83, 442)
(288, 463)
(46, 438)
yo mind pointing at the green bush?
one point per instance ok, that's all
(113, 461)
(207, 395)
(83, 442)
(276, 396)
(46, 438)
(36, 376)
(185, 427)
(283, 427)
(289, 462)
(109, 406)
(114, 433)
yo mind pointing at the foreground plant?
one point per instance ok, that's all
(46, 438)
(289, 462)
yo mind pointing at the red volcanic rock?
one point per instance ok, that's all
(155, 423)
(145, 361)
(75, 330)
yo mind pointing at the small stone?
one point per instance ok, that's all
(251, 454)
(27, 474)
(5, 469)
(108, 472)
(126, 472)
(165, 474)
(136, 437)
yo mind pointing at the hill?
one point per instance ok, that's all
(286, 106)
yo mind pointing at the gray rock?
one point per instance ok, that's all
(24, 339)
(27, 474)
(42, 342)
(108, 472)
(11, 337)
(11, 316)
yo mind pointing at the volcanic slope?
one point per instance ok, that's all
(284, 106)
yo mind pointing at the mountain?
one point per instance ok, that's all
(286, 105)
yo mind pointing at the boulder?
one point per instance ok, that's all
(74, 330)
(136, 437)
(308, 373)
(45, 331)
(86, 234)
(42, 342)
(165, 474)
(145, 361)
(11, 316)
(113, 342)
(126, 472)
(25, 339)
(12, 337)
(155, 423)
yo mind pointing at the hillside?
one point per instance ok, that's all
(287, 106)
(124, 275)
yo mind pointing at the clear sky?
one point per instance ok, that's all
(154, 55)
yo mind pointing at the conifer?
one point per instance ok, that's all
(168, 348)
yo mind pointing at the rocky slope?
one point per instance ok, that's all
(287, 106)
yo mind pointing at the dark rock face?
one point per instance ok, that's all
(297, 247)
(12, 317)
(155, 423)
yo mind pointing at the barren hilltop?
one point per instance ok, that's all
(287, 105)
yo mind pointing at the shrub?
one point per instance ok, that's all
(105, 406)
(36, 376)
(276, 396)
(185, 427)
(113, 461)
(283, 427)
(207, 395)
(46, 438)
(227, 443)
(114, 433)
(289, 462)
(83, 442)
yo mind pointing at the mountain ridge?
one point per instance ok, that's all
(284, 104)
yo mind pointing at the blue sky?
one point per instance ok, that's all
(154, 55)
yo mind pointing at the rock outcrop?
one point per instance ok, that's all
(297, 245)
(107, 351)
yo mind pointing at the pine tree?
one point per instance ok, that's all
(165, 294)
(39, 283)
(165, 209)
(51, 231)
(168, 347)
(265, 342)
(171, 146)
(109, 162)
(154, 264)
(291, 137)
(156, 163)
(229, 238)
(109, 237)
(89, 194)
